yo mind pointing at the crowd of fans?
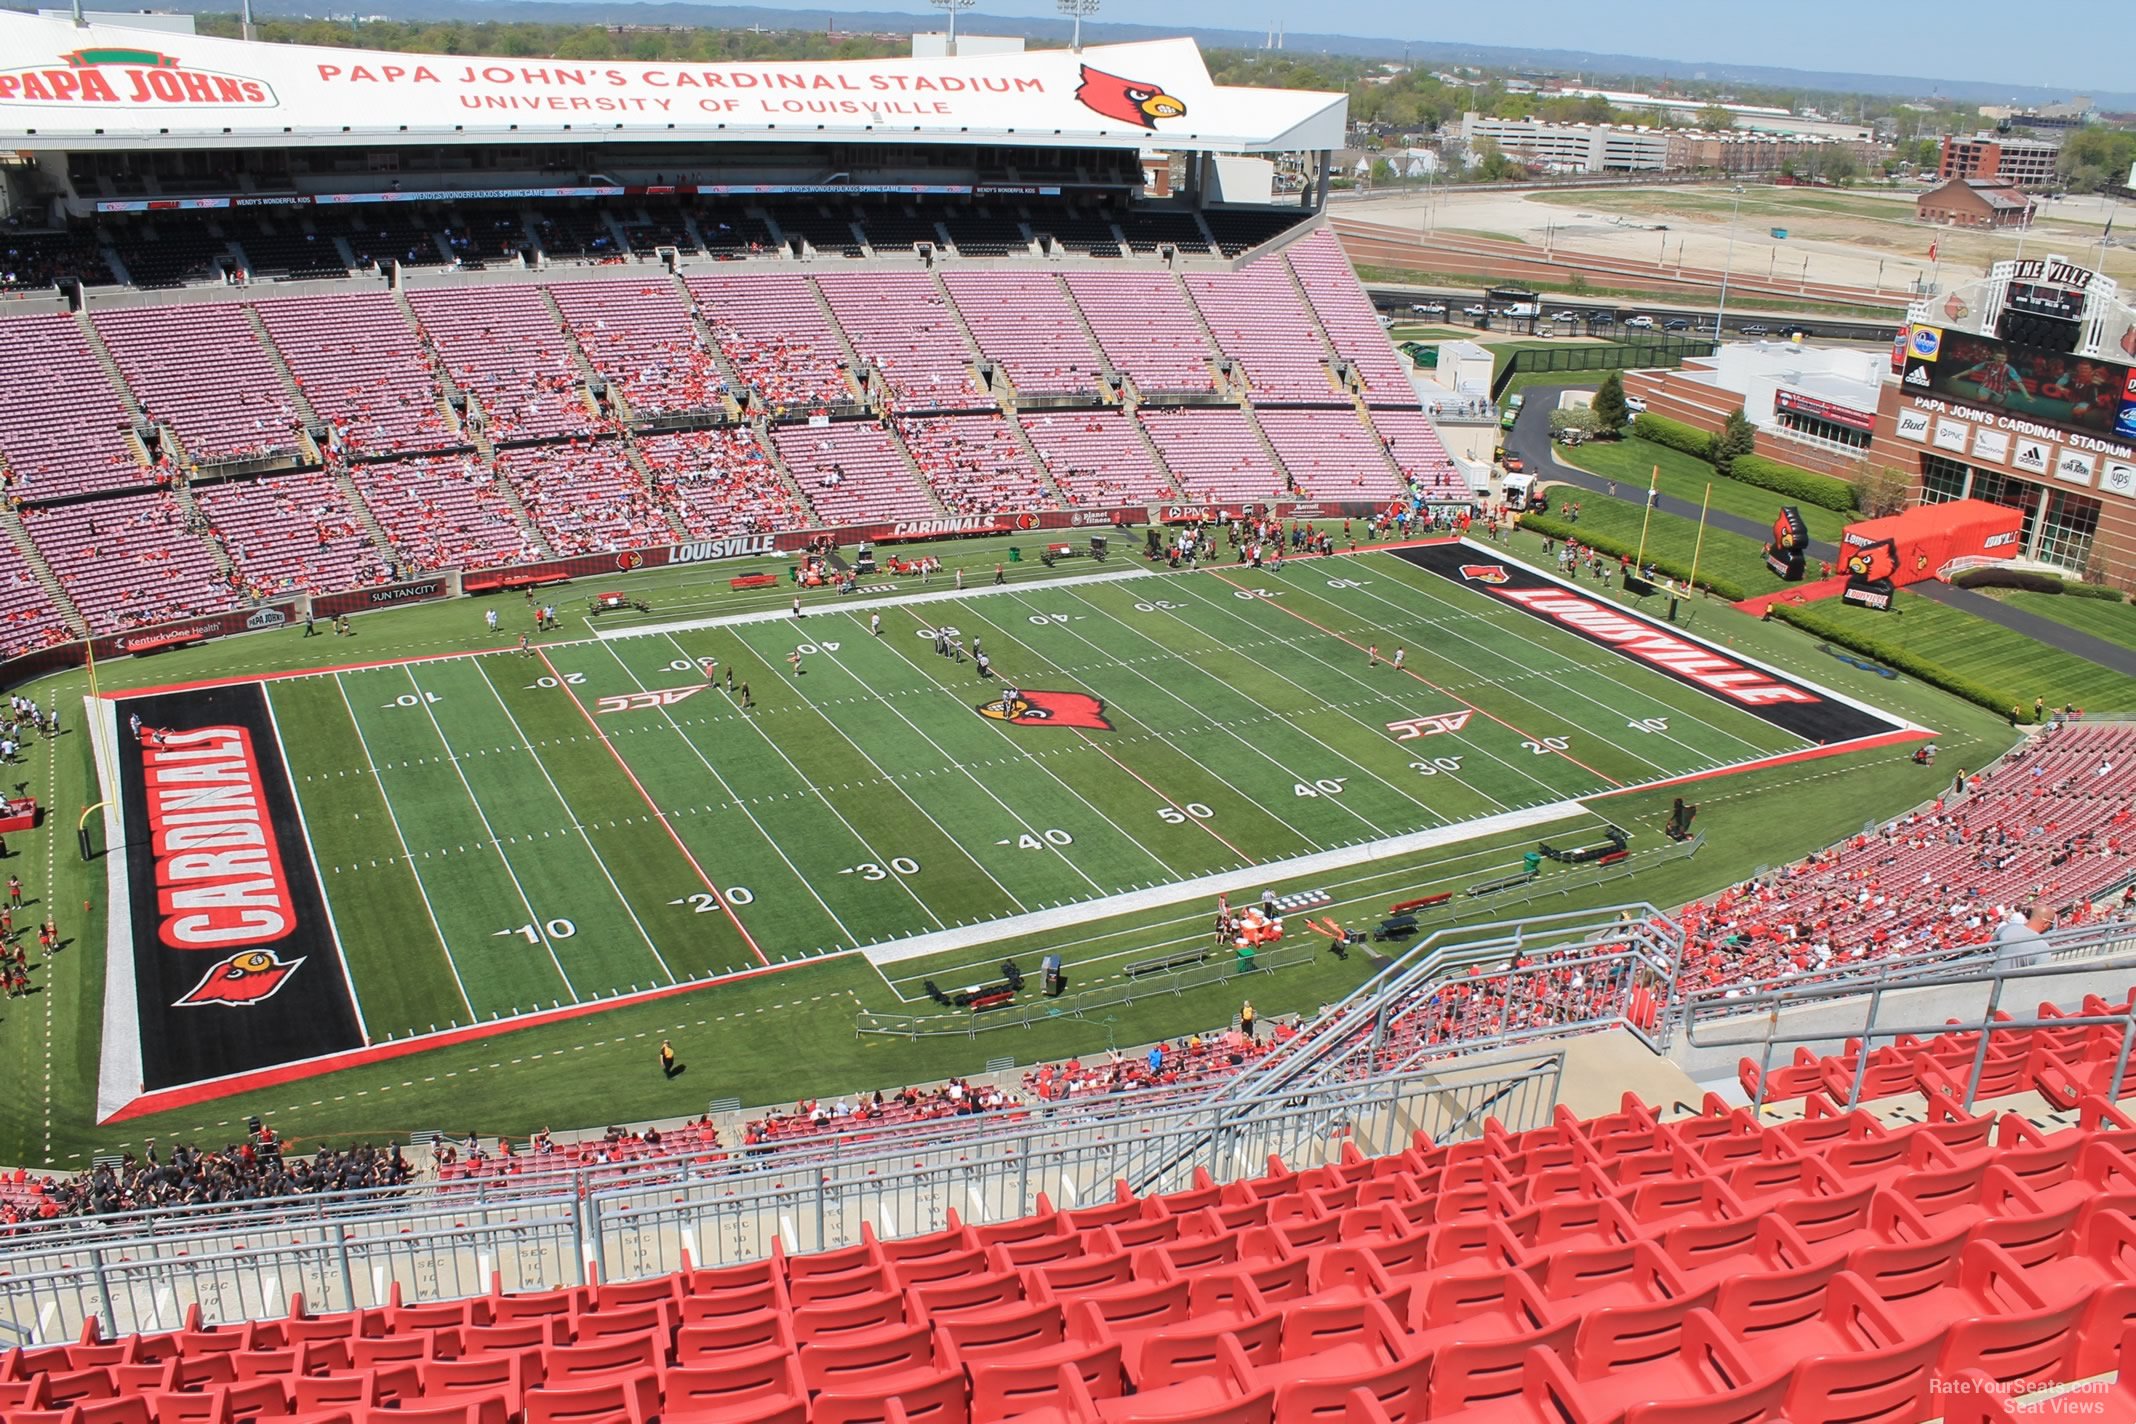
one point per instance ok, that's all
(252, 1170)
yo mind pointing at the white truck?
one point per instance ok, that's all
(1523, 494)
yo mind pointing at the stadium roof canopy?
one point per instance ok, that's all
(64, 86)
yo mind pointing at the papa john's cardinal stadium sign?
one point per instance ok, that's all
(106, 86)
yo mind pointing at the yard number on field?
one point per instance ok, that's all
(1547, 745)
(1325, 786)
(1436, 765)
(704, 902)
(1053, 836)
(1649, 724)
(413, 699)
(554, 929)
(1177, 815)
(869, 870)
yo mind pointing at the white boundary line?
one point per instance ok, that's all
(119, 1060)
(311, 858)
(1208, 886)
(898, 600)
(378, 780)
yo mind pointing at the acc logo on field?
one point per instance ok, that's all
(1485, 573)
(1926, 343)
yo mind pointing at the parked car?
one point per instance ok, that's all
(1796, 331)
(1675, 323)
(1635, 404)
(1476, 312)
(1642, 322)
(1514, 464)
(1566, 316)
(1756, 328)
(1429, 308)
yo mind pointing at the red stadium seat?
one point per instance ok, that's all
(632, 1398)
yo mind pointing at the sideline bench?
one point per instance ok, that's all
(753, 581)
(1422, 902)
(1163, 962)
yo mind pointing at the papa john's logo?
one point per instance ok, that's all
(1048, 709)
(1131, 101)
(130, 78)
(1486, 573)
(243, 979)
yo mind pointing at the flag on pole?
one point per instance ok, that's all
(1932, 248)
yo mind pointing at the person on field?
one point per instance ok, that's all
(668, 1066)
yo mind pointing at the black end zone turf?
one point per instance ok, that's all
(1770, 696)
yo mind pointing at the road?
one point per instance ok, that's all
(1530, 439)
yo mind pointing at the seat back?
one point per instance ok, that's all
(1884, 1386)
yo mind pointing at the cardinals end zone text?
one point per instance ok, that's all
(219, 878)
(1805, 710)
(235, 965)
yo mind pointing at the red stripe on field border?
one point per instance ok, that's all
(1859, 744)
(207, 1090)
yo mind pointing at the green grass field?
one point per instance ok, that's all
(2115, 622)
(1631, 463)
(1238, 705)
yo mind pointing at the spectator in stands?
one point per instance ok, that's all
(2021, 942)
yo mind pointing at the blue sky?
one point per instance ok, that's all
(2075, 45)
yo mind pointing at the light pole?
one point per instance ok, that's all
(952, 7)
(1720, 317)
(1078, 8)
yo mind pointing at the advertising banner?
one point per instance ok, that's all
(1799, 404)
(1906, 548)
(2082, 393)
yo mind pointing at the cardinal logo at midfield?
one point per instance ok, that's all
(1131, 101)
(1048, 709)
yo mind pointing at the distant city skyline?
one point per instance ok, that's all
(1952, 39)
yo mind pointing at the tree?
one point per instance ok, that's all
(1715, 116)
(1382, 173)
(1580, 417)
(1611, 413)
(1837, 164)
(1737, 437)
(1881, 490)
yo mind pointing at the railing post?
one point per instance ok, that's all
(1765, 1059)
(2121, 1064)
(348, 1278)
(1987, 1029)
(103, 1296)
(586, 1235)
(1861, 1059)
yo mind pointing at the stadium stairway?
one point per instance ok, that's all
(1054, 493)
(11, 518)
(1156, 455)
(1232, 385)
(709, 343)
(290, 385)
(1268, 447)
(196, 519)
(105, 359)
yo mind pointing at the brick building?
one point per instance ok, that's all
(2027, 162)
(1975, 202)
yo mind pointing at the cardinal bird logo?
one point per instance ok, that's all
(243, 979)
(1049, 709)
(1874, 561)
(1486, 573)
(1131, 101)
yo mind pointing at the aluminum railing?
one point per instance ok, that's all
(349, 1254)
(2100, 948)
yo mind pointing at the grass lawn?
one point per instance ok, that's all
(1727, 556)
(2115, 622)
(1631, 462)
(1429, 333)
(2013, 666)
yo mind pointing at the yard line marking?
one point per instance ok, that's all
(1419, 677)
(557, 792)
(386, 800)
(491, 831)
(1298, 725)
(1521, 631)
(348, 976)
(1033, 758)
(828, 804)
(687, 740)
(1349, 673)
(894, 783)
(1355, 815)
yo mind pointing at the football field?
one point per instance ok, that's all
(504, 833)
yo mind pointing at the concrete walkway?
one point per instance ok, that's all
(1530, 439)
